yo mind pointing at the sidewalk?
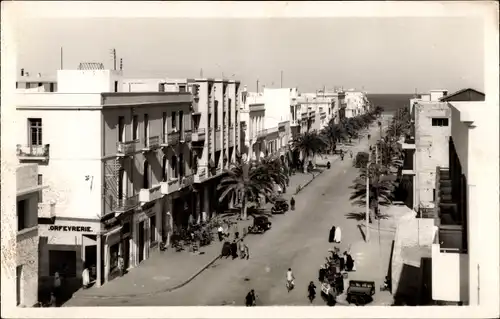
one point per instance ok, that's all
(169, 270)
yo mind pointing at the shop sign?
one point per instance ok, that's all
(82, 229)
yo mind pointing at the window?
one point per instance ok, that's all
(229, 109)
(439, 122)
(121, 175)
(51, 87)
(145, 179)
(135, 127)
(116, 86)
(22, 220)
(146, 129)
(164, 168)
(35, 127)
(181, 120)
(181, 165)
(121, 129)
(164, 121)
(174, 120)
(152, 229)
(173, 166)
(209, 120)
(182, 88)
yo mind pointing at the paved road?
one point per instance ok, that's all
(298, 240)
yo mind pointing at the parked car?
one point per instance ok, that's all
(260, 225)
(360, 292)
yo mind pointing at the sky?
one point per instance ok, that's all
(379, 55)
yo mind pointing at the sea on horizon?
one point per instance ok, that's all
(390, 102)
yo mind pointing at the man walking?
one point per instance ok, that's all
(220, 232)
(121, 265)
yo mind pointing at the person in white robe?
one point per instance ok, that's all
(338, 235)
(85, 278)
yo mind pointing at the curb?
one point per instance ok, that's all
(180, 285)
(377, 229)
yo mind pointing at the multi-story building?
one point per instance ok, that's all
(42, 83)
(425, 147)
(356, 103)
(215, 139)
(118, 166)
(29, 202)
(466, 208)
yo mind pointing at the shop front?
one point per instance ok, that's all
(147, 230)
(66, 247)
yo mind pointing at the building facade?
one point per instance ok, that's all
(114, 184)
(465, 206)
(29, 202)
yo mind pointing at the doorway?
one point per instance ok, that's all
(19, 276)
(141, 241)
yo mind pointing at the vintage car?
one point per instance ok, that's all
(280, 206)
(260, 225)
(360, 292)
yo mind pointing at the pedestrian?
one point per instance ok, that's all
(121, 265)
(234, 249)
(349, 263)
(342, 155)
(339, 283)
(350, 153)
(85, 278)
(220, 232)
(338, 235)
(251, 299)
(57, 285)
(331, 236)
(292, 203)
(241, 248)
(53, 300)
(342, 262)
(311, 289)
(247, 251)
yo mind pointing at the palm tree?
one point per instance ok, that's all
(273, 170)
(332, 134)
(245, 181)
(390, 153)
(380, 188)
(309, 144)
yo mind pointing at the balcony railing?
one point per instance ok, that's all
(126, 148)
(153, 142)
(33, 152)
(46, 210)
(198, 135)
(150, 194)
(201, 174)
(173, 138)
(187, 136)
(169, 186)
(452, 239)
(262, 134)
(187, 180)
(125, 204)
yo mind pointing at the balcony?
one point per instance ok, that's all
(153, 143)
(186, 138)
(187, 180)
(47, 210)
(126, 148)
(125, 204)
(201, 175)
(452, 239)
(147, 195)
(198, 135)
(33, 152)
(169, 186)
(173, 138)
(261, 134)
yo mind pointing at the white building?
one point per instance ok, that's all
(118, 166)
(356, 103)
(466, 208)
(29, 188)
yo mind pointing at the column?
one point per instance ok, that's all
(206, 201)
(106, 262)
(99, 262)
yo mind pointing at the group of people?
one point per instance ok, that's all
(232, 249)
(335, 235)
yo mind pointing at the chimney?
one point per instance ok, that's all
(22, 72)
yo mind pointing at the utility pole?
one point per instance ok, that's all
(201, 73)
(368, 199)
(61, 58)
(281, 79)
(257, 85)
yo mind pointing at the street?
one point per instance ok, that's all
(297, 240)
